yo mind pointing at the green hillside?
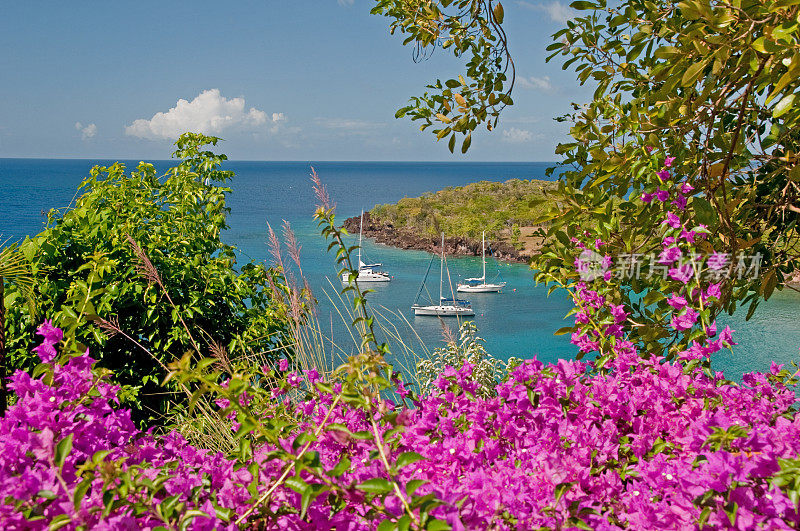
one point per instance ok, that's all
(467, 210)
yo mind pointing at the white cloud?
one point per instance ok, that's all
(209, 113)
(346, 2)
(557, 11)
(517, 136)
(86, 132)
(278, 119)
(536, 83)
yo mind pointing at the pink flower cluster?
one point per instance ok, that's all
(644, 444)
(72, 403)
(596, 317)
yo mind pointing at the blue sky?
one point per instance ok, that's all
(297, 80)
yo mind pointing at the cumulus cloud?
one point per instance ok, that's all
(87, 131)
(517, 136)
(278, 119)
(209, 113)
(557, 11)
(537, 83)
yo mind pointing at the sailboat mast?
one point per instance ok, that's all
(360, 232)
(441, 271)
(483, 251)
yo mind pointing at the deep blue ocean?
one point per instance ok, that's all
(519, 322)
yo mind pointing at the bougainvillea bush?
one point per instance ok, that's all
(644, 445)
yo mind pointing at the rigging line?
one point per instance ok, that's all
(497, 263)
(422, 286)
(449, 282)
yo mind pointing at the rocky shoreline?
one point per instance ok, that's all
(402, 238)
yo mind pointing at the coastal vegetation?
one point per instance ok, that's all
(469, 210)
(687, 152)
(99, 268)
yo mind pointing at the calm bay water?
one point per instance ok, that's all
(518, 322)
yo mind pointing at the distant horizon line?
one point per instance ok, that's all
(304, 161)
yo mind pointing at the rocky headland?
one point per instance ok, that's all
(405, 238)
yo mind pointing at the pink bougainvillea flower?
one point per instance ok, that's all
(618, 312)
(679, 202)
(677, 301)
(684, 320)
(668, 161)
(681, 273)
(672, 220)
(714, 290)
(670, 255)
(726, 336)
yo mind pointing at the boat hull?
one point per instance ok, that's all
(480, 288)
(443, 311)
(364, 277)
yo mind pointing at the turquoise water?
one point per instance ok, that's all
(518, 322)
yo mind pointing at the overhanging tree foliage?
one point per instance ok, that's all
(711, 83)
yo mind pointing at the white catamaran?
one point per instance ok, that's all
(446, 307)
(366, 272)
(479, 285)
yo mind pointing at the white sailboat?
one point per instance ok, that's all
(479, 285)
(366, 272)
(446, 307)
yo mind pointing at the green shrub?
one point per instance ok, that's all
(487, 371)
(87, 269)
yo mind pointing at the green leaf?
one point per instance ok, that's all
(704, 212)
(296, 484)
(583, 5)
(467, 143)
(783, 106)
(375, 486)
(63, 449)
(80, 492)
(413, 485)
(59, 521)
(692, 73)
(437, 525)
(406, 458)
(308, 495)
(652, 297)
(341, 467)
(561, 489)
